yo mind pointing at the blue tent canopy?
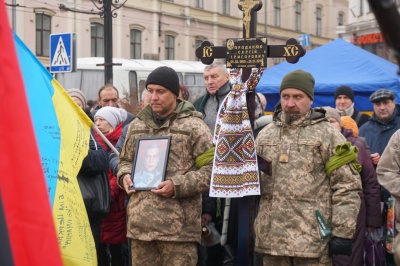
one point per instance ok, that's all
(332, 65)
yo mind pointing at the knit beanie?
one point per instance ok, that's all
(349, 123)
(166, 77)
(333, 113)
(78, 94)
(345, 90)
(112, 115)
(299, 79)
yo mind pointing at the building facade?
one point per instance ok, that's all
(363, 30)
(170, 29)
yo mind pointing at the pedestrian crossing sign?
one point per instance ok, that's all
(62, 56)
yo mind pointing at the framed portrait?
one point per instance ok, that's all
(150, 162)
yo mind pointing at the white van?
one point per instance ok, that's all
(130, 77)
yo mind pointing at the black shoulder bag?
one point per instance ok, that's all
(96, 193)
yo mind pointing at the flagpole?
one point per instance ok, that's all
(105, 140)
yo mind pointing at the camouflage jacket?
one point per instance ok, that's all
(286, 223)
(154, 217)
(388, 172)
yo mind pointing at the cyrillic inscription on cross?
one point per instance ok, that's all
(207, 52)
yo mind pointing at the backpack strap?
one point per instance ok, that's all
(358, 117)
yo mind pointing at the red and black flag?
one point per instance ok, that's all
(27, 231)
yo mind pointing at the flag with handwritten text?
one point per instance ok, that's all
(62, 134)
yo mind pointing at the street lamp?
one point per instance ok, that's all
(107, 8)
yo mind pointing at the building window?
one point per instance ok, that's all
(277, 11)
(226, 4)
(277, 61)
(298, 16)
(97, 40)
(136, 44)
(341, 19)
(319, 21)
(361, 7)
(200, 3)
(43, 31)
(197, 45)
(169, 47)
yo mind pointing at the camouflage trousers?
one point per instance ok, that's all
(163, 253)
(269, 260)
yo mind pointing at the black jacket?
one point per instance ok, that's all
(362, 118)
(96, 161)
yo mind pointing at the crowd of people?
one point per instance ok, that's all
(335, 176)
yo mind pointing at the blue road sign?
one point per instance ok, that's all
(61, 52)
(304, 40)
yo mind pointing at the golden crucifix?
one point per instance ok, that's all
(247, 6)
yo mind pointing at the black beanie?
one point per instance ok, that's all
(345, 90)
(166, 77)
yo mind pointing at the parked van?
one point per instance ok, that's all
(130, 76)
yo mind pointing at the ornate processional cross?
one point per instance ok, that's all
(247, 53)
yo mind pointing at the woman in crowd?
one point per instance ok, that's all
(369, 217)
(94, 164)
(109, 120)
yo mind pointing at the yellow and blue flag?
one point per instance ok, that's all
(61, 132)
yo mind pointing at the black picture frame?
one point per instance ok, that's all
(150, 162)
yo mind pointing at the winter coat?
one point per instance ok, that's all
(378, 133)
(388, 171)
(363, 118)
(370, 209)
(209, 105)
(114, 158)
(154, 217)
(93, 165)
(96, 161)
(113, 227)
(286, 224)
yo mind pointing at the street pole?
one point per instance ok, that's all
(107, 8)
(108, 47)
(14, 15)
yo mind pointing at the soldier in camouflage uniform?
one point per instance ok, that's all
(164, 224)
(299, 142)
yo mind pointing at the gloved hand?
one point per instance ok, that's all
(340, 246)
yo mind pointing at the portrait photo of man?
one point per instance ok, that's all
(150, 164)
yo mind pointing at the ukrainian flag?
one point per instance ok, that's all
(44, 138)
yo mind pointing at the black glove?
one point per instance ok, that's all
(340, 246)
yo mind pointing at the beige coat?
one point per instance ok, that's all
(286, 224)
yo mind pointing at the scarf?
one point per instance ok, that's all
(235, 170)
(205, 158)
(112, 137)
(344, 154)
(348, 112)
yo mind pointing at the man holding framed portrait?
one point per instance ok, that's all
(164, 219)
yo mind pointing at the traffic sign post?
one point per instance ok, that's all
(62, 52)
